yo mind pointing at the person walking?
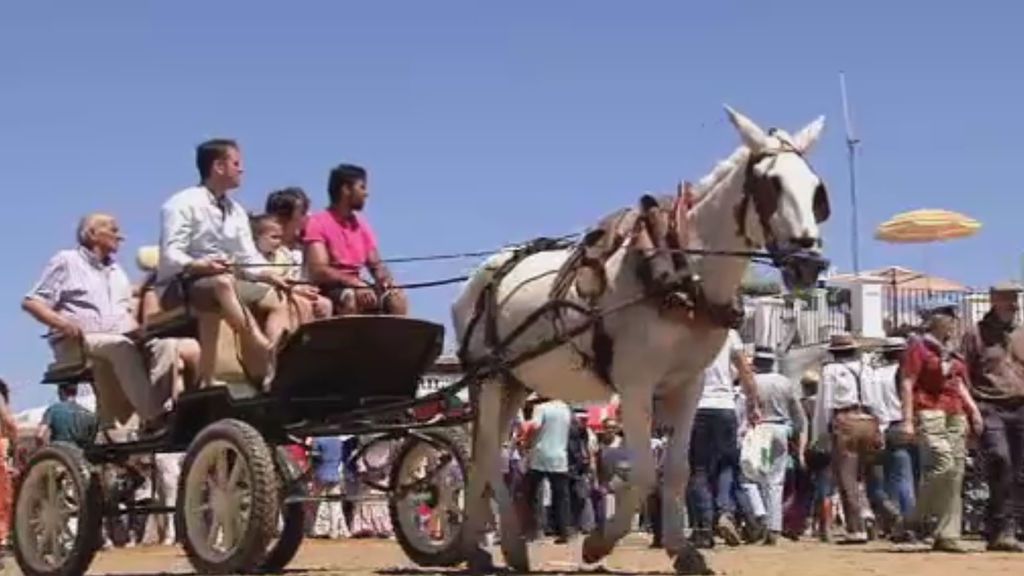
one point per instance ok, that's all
(549, 460)
(937, 406)
(782, 417)
(994, 352)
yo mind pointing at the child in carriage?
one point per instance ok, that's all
(268, 233)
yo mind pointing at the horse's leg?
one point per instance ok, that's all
(678, 410)
(635, 406)
(513, 544)
(482, 466)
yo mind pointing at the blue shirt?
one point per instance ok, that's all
(550, 452)
(328, 459)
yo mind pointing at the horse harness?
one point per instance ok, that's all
(664, 270)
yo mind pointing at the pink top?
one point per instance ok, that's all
(349, 243)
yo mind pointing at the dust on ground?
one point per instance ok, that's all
(807, 558)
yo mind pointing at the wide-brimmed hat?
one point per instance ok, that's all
(893, 343)
(842, 342)
(764, 353)
(1008, 287)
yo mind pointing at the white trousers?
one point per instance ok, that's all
(121, 379)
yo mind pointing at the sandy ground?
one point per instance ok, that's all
(385, 558)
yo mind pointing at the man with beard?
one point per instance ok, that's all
(340, 243)
(994, 351)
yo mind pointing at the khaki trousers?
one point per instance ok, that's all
(123, 383)
(941, 438)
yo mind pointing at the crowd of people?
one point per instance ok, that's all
(874, 444)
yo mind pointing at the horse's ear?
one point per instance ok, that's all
(806, 138)
(750, 133)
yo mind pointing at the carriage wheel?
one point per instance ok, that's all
(227, 499)
(427, 498)
(286, 545)
(58, 510)
(292, 526)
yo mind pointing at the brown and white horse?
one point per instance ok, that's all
(765, 195)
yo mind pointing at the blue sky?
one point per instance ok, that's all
(485, 123)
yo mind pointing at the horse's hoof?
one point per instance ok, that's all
(594, 548)
(516, 556)
(691, 562)
(479, 561)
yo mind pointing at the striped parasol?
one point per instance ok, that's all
(919, 226)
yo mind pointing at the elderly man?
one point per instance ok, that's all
(938, 407)
(340, 243)
(85, 298)
(994, 351)
(208, 261)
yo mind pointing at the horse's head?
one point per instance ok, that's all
(784, 200)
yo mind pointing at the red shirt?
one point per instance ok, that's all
(934, 390)
(349, 242)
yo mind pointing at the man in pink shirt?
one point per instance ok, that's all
(340, 243)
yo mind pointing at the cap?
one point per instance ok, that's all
(147, 258)
(810, 377)
(764, 353)
(938, 306)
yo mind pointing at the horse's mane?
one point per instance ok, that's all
(704, 186)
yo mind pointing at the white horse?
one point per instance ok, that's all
(764, 195)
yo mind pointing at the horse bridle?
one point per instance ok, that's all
(764, 193)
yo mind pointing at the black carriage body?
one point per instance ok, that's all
(344, 375)
(347, 375)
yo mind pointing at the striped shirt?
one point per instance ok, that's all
(93, 295)
(195, 224)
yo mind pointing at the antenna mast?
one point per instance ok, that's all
(851, 148)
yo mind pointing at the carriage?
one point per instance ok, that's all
(241, 499)
(547, 316)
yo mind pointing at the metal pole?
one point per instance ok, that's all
(851, 146)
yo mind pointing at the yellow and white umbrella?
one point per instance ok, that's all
(926, 226)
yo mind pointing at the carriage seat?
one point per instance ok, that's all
(70, 371)
(177, 322)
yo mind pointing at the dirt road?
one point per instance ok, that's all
(384, 558)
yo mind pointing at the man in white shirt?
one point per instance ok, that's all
(714, 450)
(85, 298)
(209, 262)
(891, 482)
(847, 418)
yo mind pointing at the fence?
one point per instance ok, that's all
(901, 306)
(782, 321)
